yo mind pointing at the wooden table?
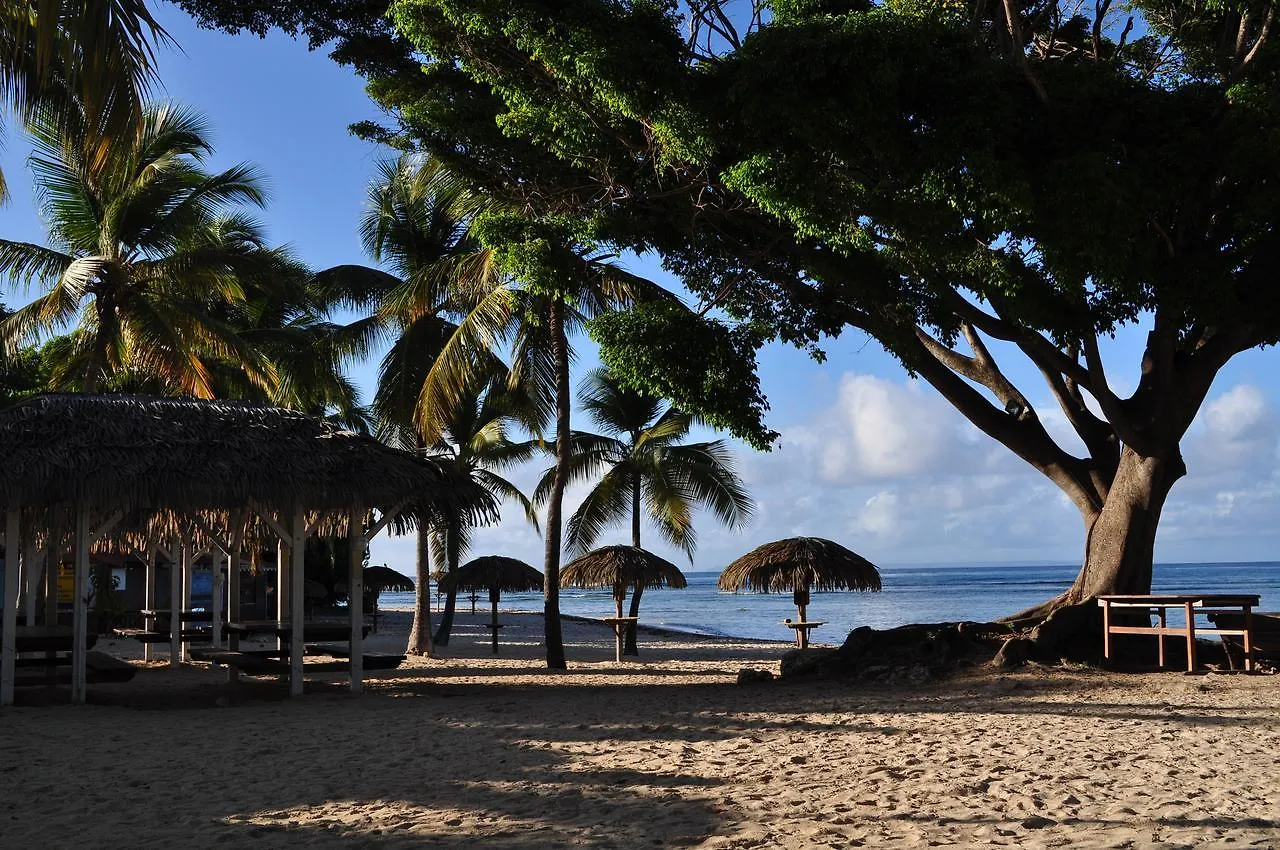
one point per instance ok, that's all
(1192, 604)
(312, 630)
(802, 630)
(619, 626)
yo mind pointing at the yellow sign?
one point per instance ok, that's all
(66, 584)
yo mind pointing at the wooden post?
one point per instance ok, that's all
(34, 569)
(282, 585)
(188, 569)
(149, 596)
(1106, 629)
(233, 588)
(355, 595)
(618, 628)
(1163, 619)
(1248, 638)
(215, 604)
(52, 566)
(80, 605)
(493, 616)
(175, 603)
(1191, 636)
(12, 582)
(297, 596)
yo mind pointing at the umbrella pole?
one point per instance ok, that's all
(493, 602)
(801, 599)
(618, 628)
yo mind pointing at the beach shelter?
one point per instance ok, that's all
(618, 568)
(494, 573)
(181, 474)
(799, 565)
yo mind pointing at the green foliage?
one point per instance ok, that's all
(705, 366)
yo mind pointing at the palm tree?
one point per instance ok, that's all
(645, 469)
(148, 257)
(533, 321)
(475, 445)
(415, 226)
(60, 58)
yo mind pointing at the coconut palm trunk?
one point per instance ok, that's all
(452, 551)
(553, 633)
(420, 634)
(631, 646)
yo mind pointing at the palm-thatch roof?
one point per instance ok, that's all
(378, 577)
(800, 562)
(493, 572)
(148, 455)
(620, 567)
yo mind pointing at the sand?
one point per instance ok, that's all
(667, 751)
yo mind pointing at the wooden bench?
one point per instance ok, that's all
(147, 636)
(1264, 636)
(269, 662)
(99, 667)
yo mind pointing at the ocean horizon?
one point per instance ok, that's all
(912, 593)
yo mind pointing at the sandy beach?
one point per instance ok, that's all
(664, 751)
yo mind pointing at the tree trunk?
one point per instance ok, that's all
(551, 583)
(631, 647)
(450, 598)
(1120, 538)
(420, 634)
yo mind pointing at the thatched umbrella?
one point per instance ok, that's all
(800, 564)
(621, 567)
(380, 578)
(494, 573)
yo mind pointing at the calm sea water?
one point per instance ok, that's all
(912, 594)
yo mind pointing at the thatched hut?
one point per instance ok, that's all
(495, 574)
(799, 565)
(166, 473)
(618, 568)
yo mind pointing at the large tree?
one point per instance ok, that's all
(936, 174)
(641, 467)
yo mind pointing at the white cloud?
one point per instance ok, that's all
(892, 471)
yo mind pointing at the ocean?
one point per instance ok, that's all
(917, 593)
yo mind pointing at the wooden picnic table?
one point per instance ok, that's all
(802, 629)
(1192, 604)
(47, 639)
(336, 632)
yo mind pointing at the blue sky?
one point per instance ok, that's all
(868, 457)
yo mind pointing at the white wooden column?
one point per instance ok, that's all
(12, 581)
(149, 597)
(215, 605)
(175, 555)
(297, 596)
(80, 621)
(52, 566)
(233, 588)
(188, 567)
(33, 570)
(282, 583)
(355, 595)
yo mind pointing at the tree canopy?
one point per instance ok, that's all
(937, 173)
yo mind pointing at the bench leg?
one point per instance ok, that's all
(1191, 637)
(1106, 629)
(1248, 638)
(1160, 637)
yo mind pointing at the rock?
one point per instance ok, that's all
(1038, 822)
(799, 663)
(1014, 653)
(747, 676)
